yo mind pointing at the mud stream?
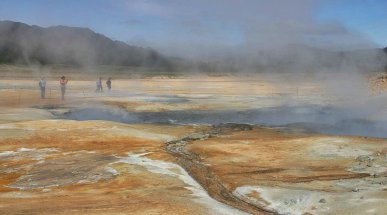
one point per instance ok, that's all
(192, 163)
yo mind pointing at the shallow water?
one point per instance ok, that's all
(327, 120)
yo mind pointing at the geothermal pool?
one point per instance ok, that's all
(326, 120)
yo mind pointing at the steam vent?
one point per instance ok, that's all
(206, 108)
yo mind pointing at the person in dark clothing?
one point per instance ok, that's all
(109, 83)
(63, 82)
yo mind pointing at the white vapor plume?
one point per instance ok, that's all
(203, 29)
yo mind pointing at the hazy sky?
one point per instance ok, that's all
(214, 23)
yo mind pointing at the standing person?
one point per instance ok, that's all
(42, 86)
(109, 83)
(63, 82)
(99, 85)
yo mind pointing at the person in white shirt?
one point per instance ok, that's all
(99, 85)
(42, 86)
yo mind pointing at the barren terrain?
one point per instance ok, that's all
(203, 145)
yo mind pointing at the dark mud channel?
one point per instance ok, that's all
(193, 164)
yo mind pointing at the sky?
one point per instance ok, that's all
(176, 25)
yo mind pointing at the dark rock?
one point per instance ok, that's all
(235, 126)
(363, 158)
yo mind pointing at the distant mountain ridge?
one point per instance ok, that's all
(30, 44)
(26, 44)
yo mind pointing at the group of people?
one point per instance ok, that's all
(108, 84)
(63, 82)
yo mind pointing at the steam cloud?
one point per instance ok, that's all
(266, 36)
(194, 28)
(261, 36)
